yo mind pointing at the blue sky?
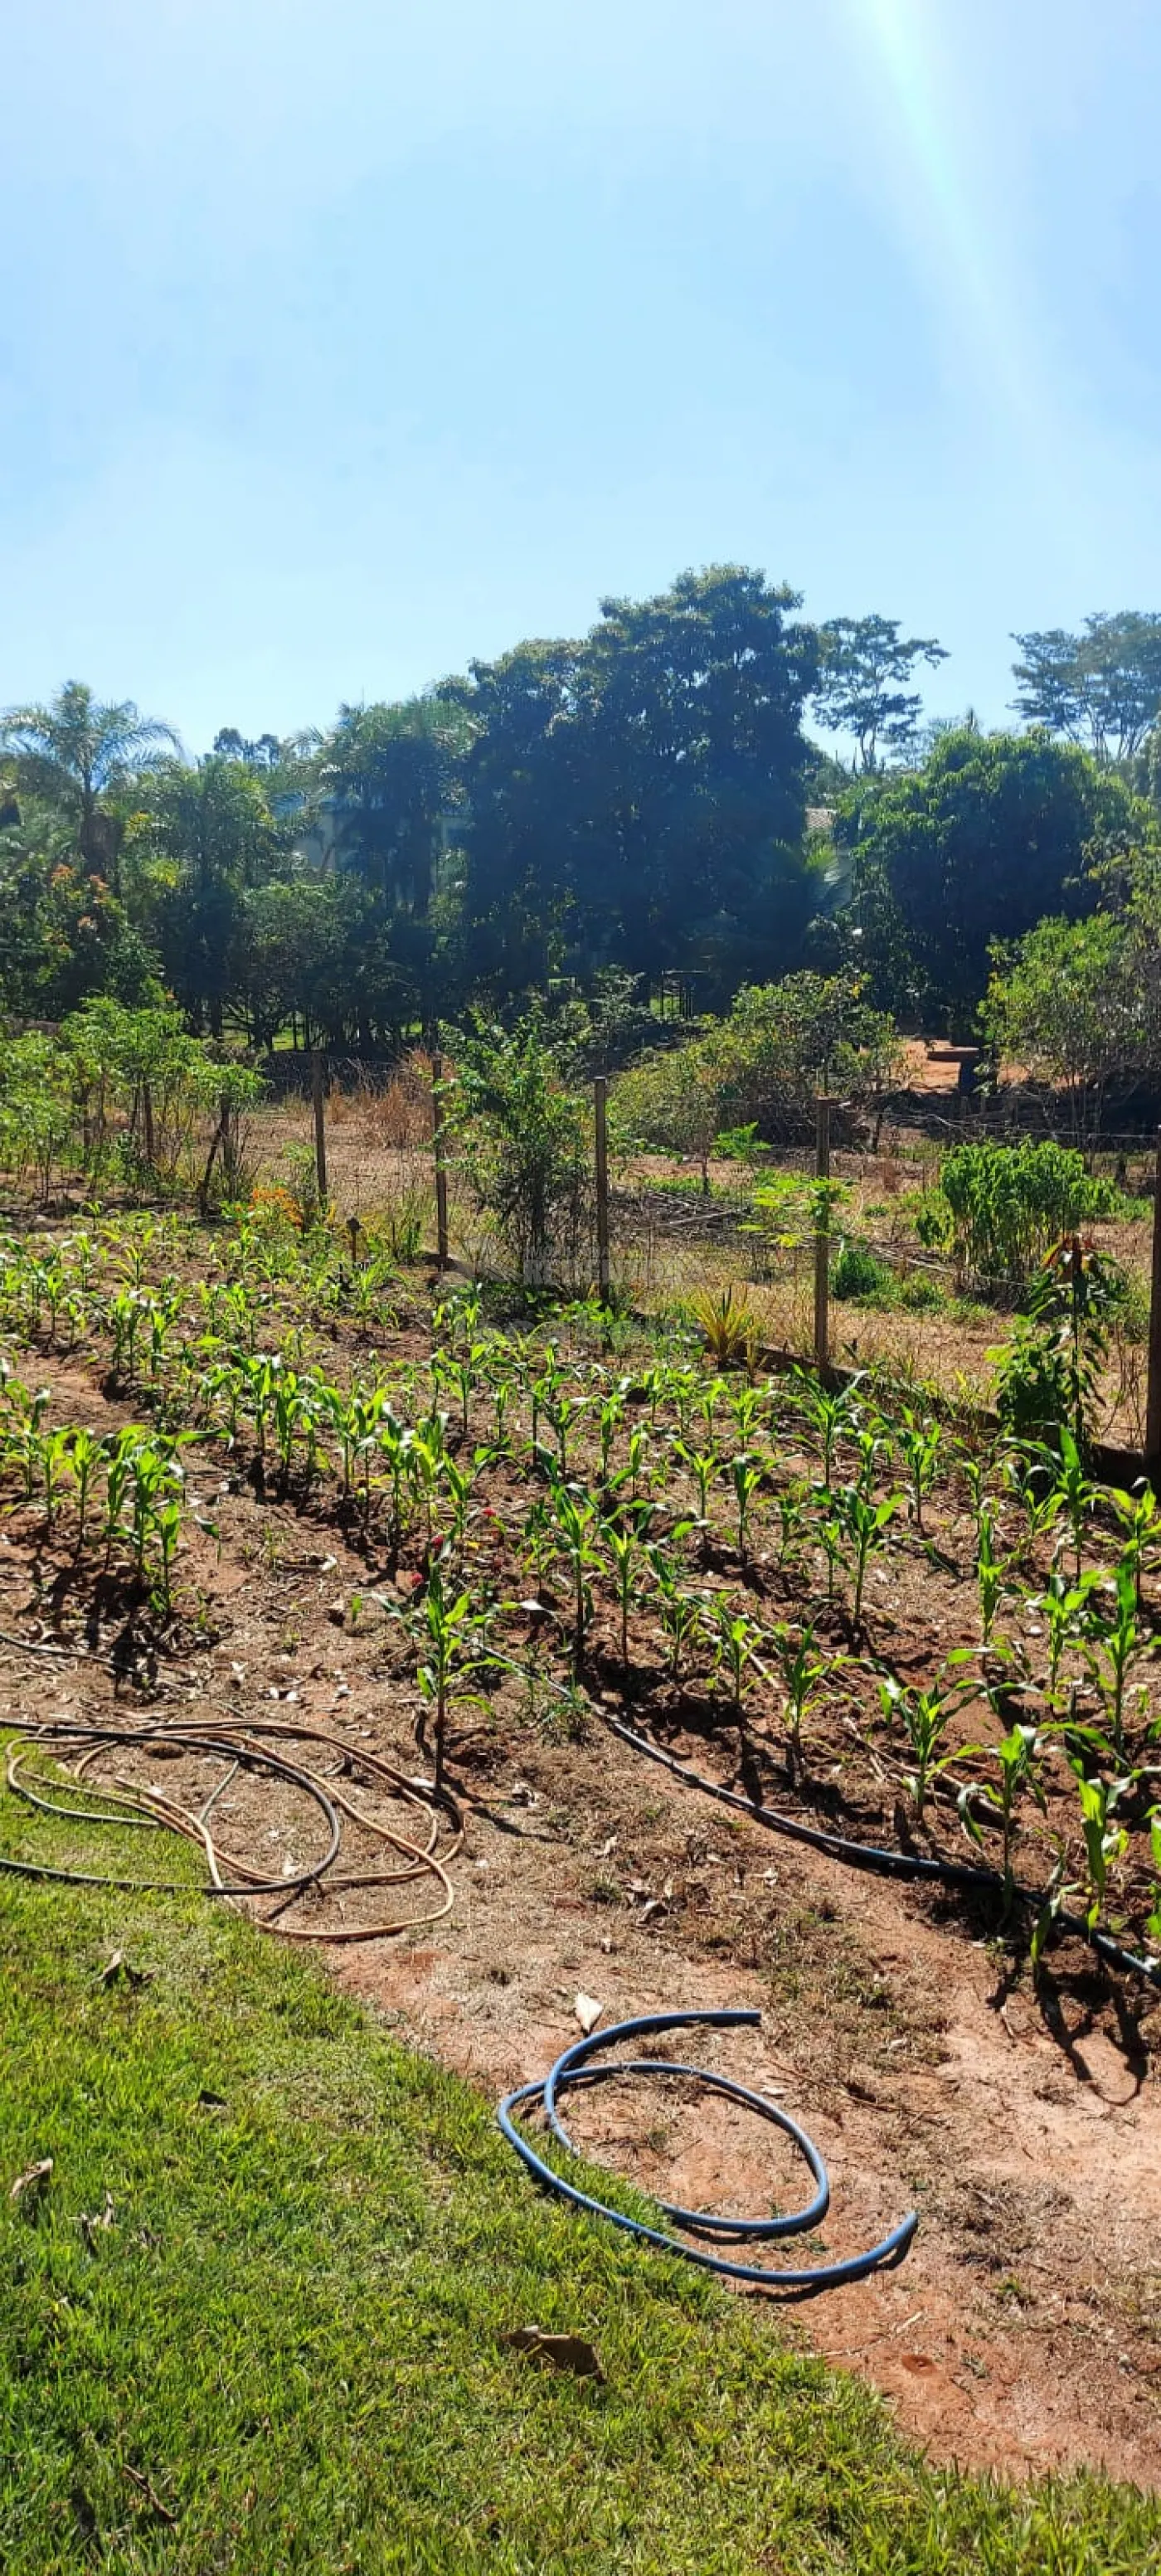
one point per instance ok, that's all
(336, 347)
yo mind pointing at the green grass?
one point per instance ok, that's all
(292, 2329)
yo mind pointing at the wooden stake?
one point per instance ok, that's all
(441, 1248)
(318, 1077)
(1153, 1406)
(822, 1110)
(600, 1116)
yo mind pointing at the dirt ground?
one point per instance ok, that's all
(1023, 2332)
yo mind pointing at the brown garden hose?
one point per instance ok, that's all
(76, 1749)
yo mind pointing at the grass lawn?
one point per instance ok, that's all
(283, 2351)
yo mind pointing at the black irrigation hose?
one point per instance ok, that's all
(886, 1863)
(573, 2068)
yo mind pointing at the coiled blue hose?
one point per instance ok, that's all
(573, 2067)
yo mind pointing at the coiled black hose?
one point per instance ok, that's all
(573, 2067)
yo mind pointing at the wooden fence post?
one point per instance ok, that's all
(441, 1250)
(822, 1109)
(318, 1079)
(1153, 1401)
(600, 1120)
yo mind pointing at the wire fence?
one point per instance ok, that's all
(650, 1232)
(656, 1233)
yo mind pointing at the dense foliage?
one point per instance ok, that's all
(642, 811)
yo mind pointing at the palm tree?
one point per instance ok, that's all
(75, 752)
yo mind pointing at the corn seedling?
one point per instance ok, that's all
(991, 1571)
(1076, 1494)
(1017, 1757)
(745, 1477)
(447, 1634)
(625, 1541)
(831, 1413)
(1115, 1642)
(925, 1716)
(678, 1612)
(804, 1673)
(1105, 1842)
(734, 1638)
(1064, 1607)
(1140, 1519)
(864, 1524)
(919, 1440)
(574, 1521)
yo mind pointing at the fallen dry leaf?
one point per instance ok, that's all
(559, 2351)
(588, 2012)
(33, 2182)
(118, 1966)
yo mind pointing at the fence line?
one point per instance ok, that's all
(652, 1235)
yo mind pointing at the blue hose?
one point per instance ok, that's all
(573, 2067)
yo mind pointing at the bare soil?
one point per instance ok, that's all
(1023, 2333)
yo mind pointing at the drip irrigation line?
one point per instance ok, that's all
(882, 1862)
(238, 1746)
(574, 2067)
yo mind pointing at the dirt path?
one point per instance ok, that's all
(1024, 2330)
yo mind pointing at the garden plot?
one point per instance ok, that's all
(242, 1471)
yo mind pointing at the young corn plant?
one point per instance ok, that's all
(624, 1539)
(1028, 1471)
(745, 1477)
(678, 1611)
(609, 1420)
(805, 1673)
(55, 1468)
(864, 1523)
(702, 1465)
(992, 1571)
(925, 1716)
(575, 1521)
(1064, 1607)
(1076, 1493)
(734, 1638)
(1115, 1642)
(86, 1458)
(832, 1414)
(1017, 1757)
(448, 1635)
(919, 1441)
(1105, 1841)
(1140, 1519)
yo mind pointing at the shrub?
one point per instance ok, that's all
(1049, 1374)
(922, 1294)
(1010, 1203)
(859, 1277)
(760, 1069)
(531, 1149)
(729, 1325)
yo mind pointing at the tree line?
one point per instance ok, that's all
(647, 808)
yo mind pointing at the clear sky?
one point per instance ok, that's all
(338, 345)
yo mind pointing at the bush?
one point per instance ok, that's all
(921, 1293)
(531, 1149)
(860, 1278)
(1010, 1203)
(759, 1070)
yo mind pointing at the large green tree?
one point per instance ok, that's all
(76, 755)
(991, 834)
(864, 685)
(1101, 688)
(212, 829)
(639, 797)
